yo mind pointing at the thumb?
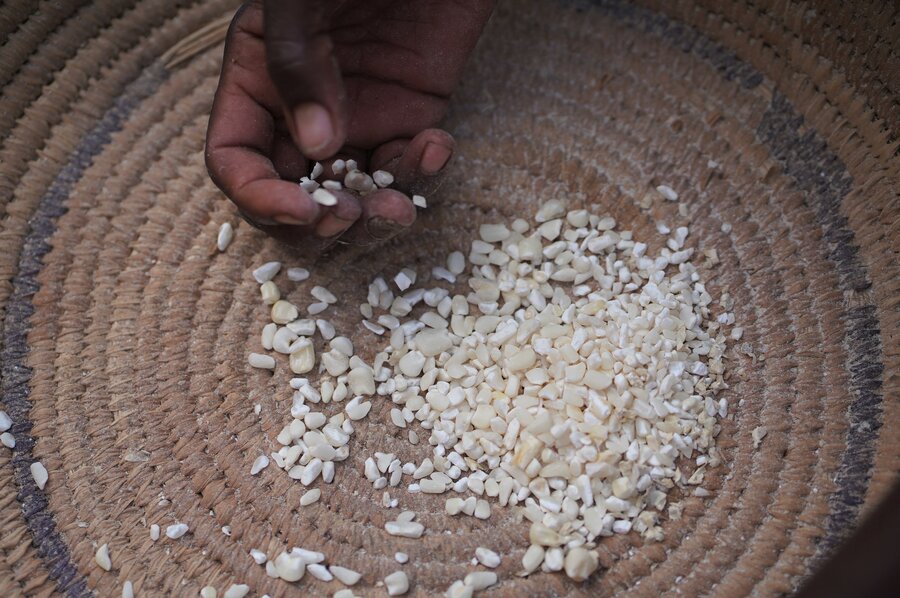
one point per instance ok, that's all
(305, 72)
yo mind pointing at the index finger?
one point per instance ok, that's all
(241, 133)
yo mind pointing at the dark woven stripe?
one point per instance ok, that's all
(15, 375)
(815, 169)
(819, 172)
(682, 37)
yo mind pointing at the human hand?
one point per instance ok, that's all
(354, 79)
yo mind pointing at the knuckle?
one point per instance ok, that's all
(285, 56)
(293, 56)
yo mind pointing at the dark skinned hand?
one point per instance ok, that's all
(306, 80)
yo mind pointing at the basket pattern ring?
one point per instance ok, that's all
(124, 335)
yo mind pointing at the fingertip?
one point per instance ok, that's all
(385, 214)
(280, 201)
(347, 207)
(314, 129)
(291, 220)
(390, 205)
(339, 217)
(433, 149)
(434, 157)
(332, 226)
(417, 162)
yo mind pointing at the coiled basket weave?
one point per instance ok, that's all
(124, 335)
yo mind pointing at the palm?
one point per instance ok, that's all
(401, 61)
(388, 68)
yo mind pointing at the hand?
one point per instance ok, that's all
(310, 80)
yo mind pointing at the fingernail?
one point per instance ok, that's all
(256, 220)
(434, 158)
(331, 226)
(291, 220)
(313, 127)
(382, 228)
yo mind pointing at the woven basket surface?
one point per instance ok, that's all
(124, 333)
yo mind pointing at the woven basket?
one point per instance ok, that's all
(125, 336)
